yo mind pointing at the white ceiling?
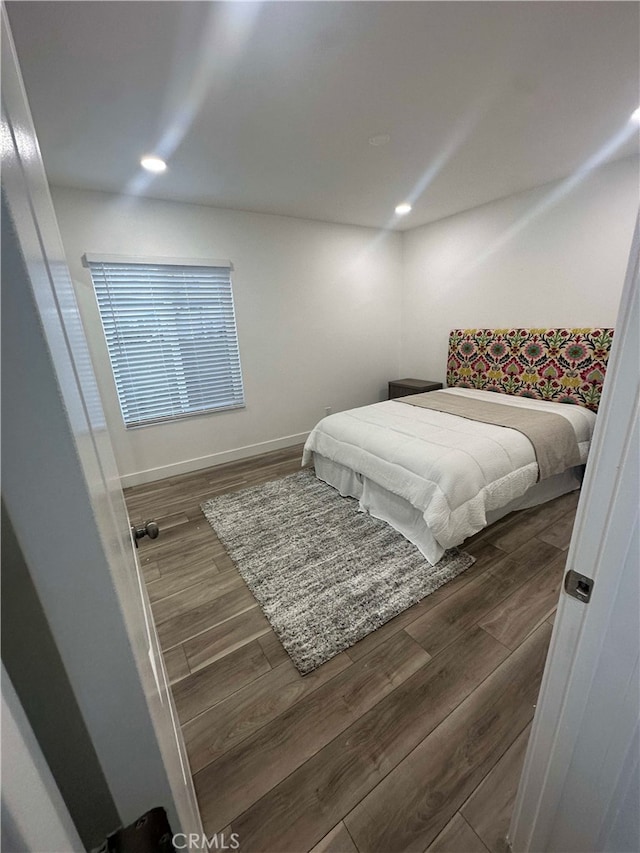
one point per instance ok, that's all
(269, 106)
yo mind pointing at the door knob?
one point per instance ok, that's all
(150, 529)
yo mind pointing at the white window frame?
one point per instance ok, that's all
(180, 383)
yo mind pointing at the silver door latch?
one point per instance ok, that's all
(579, 586)
(150, 529)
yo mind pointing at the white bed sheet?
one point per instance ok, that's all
(435, 477)
(409, 521)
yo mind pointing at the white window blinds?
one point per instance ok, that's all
(171, 333)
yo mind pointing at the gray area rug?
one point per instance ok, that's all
(324, 574)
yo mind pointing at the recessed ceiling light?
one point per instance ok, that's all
(635, 116)
(153, 164)
(403, 209)
(380, 139)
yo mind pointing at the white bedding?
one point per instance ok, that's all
(454, 471)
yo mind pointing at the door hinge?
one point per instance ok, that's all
(579, 586)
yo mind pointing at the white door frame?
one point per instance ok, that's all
(34, 816)
(63, 494)
(579, 763)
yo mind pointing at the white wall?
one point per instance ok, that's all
(327, 314)
(539, 258)
(317, 308)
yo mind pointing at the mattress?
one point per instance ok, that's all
(436, 477)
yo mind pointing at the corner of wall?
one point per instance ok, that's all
(402, 318)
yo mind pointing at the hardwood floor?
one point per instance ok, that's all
(413, 739)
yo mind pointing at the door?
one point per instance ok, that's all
(580, 786)
(63, 492)
(29, 790)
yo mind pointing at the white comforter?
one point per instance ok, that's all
(452, 469)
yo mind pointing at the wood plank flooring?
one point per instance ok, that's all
(413, 739)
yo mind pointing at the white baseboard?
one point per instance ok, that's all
(188, 465)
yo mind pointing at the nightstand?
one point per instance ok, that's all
(404, 387)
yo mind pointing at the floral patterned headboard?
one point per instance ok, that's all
(564, 365)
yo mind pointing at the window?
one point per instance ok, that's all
(171, 333)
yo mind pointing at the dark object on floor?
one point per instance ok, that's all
(151, 833)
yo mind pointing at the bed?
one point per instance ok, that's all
(511, 430)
